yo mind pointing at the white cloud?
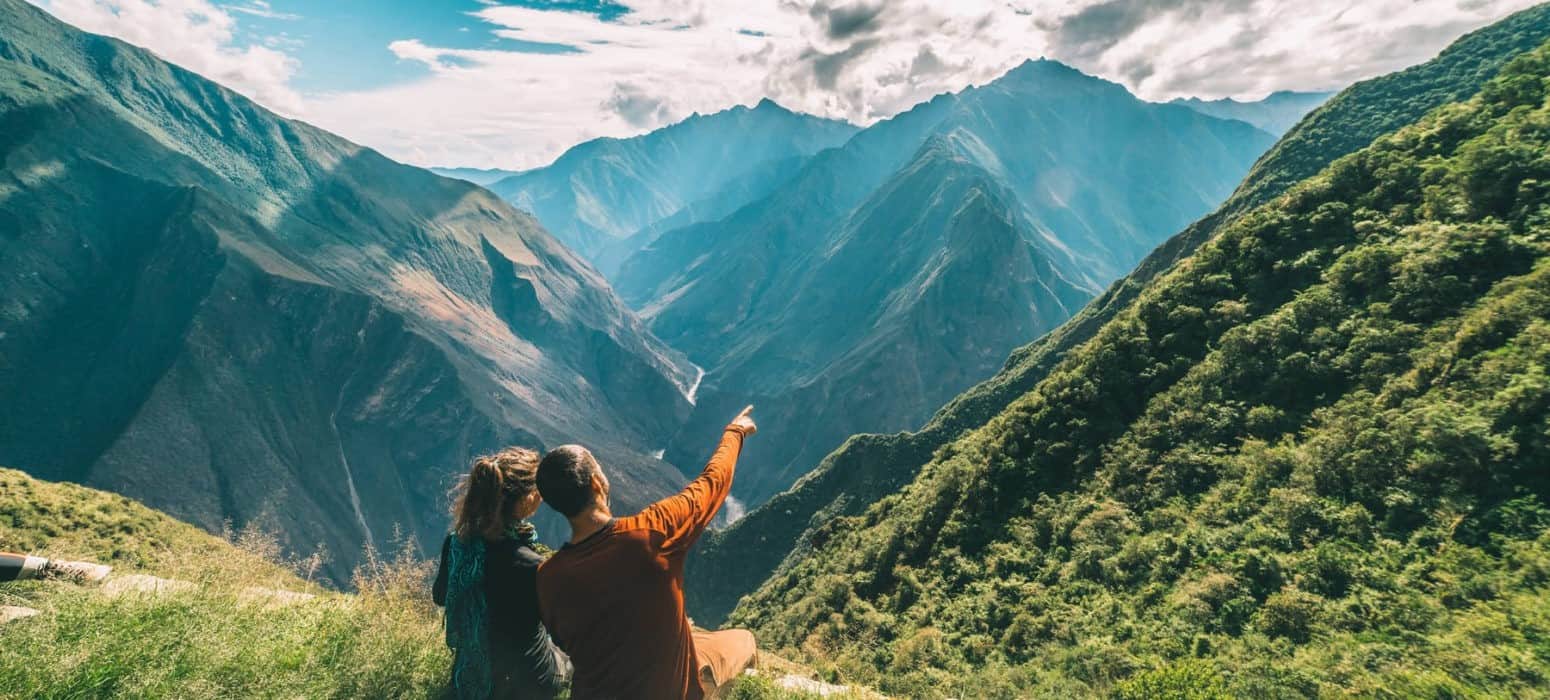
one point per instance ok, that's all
(194, 34)
(259, 8)
(510, 109)
(1246, 48)
(860, 60)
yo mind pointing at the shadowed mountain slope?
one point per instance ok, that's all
(233, 316)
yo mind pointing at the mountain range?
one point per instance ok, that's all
(894, 271)
(957, 196)
(239, 318)
(1277, 113)
(1200, 399)
(478, 176)
(869, 467)
(1301, 433)
(606, 197)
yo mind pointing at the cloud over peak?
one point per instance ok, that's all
(570, 70)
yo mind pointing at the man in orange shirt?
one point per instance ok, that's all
(612, 597)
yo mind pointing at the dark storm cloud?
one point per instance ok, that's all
(848, 19)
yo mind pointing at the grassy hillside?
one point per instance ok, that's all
(1306, 460)
(866, 468)
(217, 639)
(67, 521)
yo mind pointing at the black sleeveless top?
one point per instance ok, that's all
(523, 660)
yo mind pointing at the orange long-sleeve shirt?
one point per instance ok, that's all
(615, 602)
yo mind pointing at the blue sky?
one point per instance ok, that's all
(341, 45)
(491, 83)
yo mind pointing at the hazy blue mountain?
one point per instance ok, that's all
(896, 271)
(868, 467)
(1275, 114)
(479, 176)
(237, 317)
(739, 191)
(610, 189)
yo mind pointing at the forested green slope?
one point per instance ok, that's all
(866, 468)
(1307, 458)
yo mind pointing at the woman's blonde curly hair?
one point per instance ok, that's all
(482, 499)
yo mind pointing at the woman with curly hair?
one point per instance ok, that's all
(486, 583)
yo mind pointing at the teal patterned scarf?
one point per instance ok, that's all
(466, 620)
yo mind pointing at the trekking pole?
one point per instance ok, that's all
(16, 567)
(19, 567)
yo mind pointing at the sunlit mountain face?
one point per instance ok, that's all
(239, 318)
(900, 268)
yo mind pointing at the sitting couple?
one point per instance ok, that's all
(611, 598)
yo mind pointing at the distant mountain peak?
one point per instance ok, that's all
(1277, 96)
(607, 190)
(1047, 73)
(1291, 94)
(1040, 66)
(1274, 113)
(764, 107)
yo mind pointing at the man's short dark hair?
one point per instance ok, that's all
(565, 479)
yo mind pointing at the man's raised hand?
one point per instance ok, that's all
(744, 422)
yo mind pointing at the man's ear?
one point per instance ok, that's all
(600, 488)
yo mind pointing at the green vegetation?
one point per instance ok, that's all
(1307, 459)
(67, 521)
(215, 640)
(214, 643)
(1375, 107)
(734, 562)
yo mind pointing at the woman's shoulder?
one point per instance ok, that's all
(519, 553)
(531, 556)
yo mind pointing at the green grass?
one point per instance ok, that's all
(211, 642)
(67, 521)
(764, 687)
(382, 641)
